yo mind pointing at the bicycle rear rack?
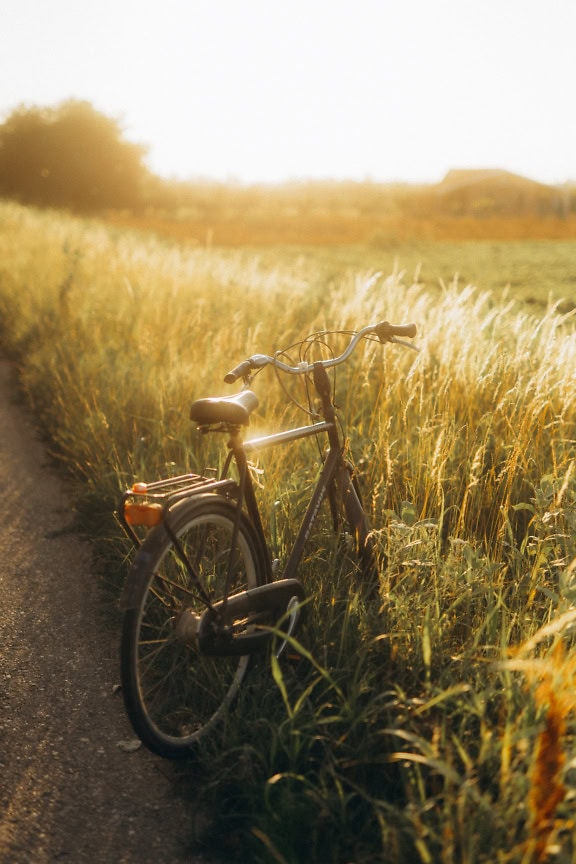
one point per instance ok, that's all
(148, 504)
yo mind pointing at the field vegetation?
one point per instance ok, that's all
(507, 207)
(436, 723)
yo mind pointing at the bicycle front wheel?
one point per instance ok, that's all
(173, 694)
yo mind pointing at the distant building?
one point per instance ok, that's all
(494, 192)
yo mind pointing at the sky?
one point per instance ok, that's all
(267, 91)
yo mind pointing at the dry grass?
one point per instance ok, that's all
(336, 228)
(401, 741)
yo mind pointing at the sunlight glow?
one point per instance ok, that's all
(255, 91)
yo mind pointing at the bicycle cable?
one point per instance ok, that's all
(284, 353)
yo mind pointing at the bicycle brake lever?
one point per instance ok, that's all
(405, 344)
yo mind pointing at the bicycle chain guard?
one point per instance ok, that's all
(215, 636)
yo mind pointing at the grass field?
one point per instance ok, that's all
(534, 272)
(529, 259)
(436, 725)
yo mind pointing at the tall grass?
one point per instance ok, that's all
(413, 727)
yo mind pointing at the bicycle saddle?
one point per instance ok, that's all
(234, 410)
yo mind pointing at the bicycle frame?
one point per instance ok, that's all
(333, 461)
(334, 470)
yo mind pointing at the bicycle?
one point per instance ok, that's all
(203, 596)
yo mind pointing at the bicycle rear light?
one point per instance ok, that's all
(145, 514)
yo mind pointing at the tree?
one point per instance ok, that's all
(69, 156)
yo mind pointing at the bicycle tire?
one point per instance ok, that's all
(173, 694)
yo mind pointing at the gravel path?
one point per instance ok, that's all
(68, 791)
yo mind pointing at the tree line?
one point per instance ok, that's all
(70, 156)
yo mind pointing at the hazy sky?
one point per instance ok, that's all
(281, 89)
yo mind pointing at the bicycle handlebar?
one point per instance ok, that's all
(385, 332)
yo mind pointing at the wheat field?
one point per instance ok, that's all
(437, 723)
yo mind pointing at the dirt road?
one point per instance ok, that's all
(68, 790)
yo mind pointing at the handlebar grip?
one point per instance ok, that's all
(238, 372)
(386, 331)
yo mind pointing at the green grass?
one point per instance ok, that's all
(428, 726)
(534, 272)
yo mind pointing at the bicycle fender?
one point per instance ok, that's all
(136, 578)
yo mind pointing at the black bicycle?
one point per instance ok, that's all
(203, 595)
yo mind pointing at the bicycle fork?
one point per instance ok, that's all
(343, 477)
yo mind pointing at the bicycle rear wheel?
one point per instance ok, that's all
(173, 694)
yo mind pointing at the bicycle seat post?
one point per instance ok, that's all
(246, 494)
